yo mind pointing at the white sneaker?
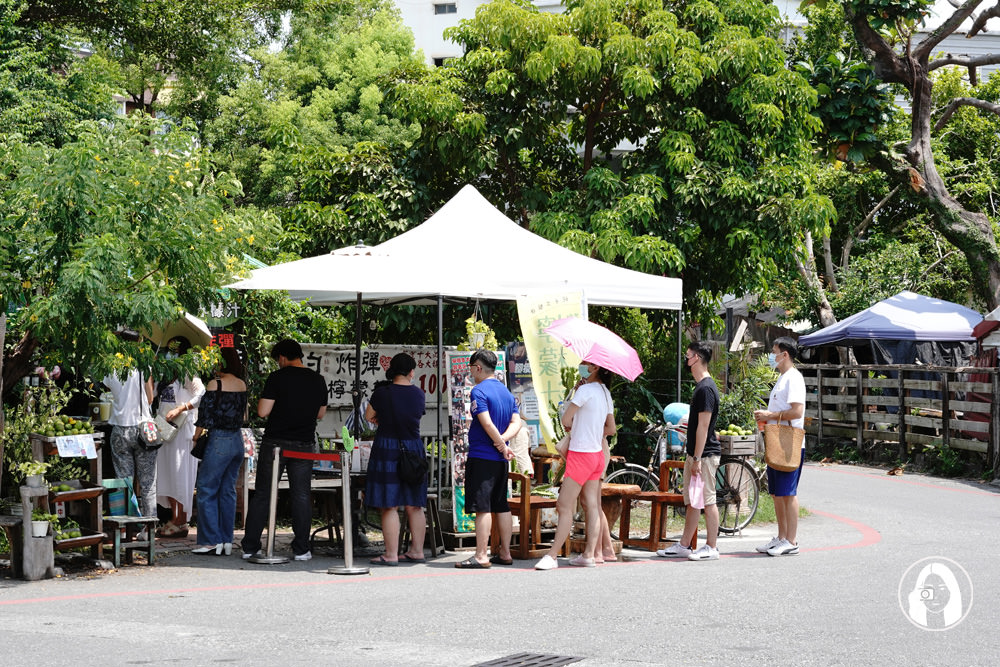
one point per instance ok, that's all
(306, 556)
(676, 551)
(547, 563)
(783, 548)
(763, 548)
(704, 552)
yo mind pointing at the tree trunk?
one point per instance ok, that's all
(3, 338)
(969, 231)
(19, 364)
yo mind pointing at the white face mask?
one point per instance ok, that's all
(584, 371)
(171, 355)
(772, 360)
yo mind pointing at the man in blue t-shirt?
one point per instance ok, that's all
(492, 407)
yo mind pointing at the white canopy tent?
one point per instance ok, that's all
(434, 260)
(434, 263)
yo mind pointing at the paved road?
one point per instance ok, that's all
(835, 604)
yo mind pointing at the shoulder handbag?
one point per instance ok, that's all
(151, 436)
(412, 465)
(783, 446)
(201, 444)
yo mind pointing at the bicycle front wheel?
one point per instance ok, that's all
(737, 495)
(640, 509)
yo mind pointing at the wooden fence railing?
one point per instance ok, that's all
(910, 404)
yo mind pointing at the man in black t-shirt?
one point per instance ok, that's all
(703, 453)
(293, 400)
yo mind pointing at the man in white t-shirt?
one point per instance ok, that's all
(786, 405)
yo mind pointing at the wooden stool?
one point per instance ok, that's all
(433, 534)
(133, 525)
(658, 500)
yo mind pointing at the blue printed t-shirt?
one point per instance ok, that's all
(489, 396)
(398, 409)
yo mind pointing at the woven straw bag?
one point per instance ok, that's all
(783, 446)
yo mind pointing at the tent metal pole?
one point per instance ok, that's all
(680, 350)
(440, 386)
(345, 465)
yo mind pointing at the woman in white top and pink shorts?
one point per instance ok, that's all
(589, 420)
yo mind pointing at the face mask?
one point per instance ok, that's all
(584, 371)
(171, 355)
(772, 360)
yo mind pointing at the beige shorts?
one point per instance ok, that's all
(709, 466)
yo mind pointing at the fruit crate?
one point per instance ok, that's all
(79, 490)
(88, 538)
(738, 445)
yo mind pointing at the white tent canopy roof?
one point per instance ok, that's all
(906, 316)
(466, 250)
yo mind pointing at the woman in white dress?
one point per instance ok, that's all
(176, 469)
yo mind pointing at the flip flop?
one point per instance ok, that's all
(382, 561)
(472, 564)
(496, 560)
(410, 559)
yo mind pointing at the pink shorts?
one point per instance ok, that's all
(581, 467)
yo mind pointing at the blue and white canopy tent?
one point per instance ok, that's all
(906, 328)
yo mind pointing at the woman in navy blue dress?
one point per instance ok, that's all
(396, 407)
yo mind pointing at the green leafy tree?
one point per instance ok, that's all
(717, 180)
(123, 227)
(887, 35)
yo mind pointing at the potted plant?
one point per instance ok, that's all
(40, 520)
(33, 471)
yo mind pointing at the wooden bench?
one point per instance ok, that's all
(527, 508)
(659, 501)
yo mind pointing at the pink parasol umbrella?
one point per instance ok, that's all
(592, 342)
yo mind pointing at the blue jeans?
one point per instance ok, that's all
(299, 486)
(217, 486)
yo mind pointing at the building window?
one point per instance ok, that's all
(445, 8)
(441, 62)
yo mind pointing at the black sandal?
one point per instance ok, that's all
(472, 564)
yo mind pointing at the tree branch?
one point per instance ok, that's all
(964, 61)
(845, 256)
(941, 259)
(924, 48)
(879, 54)
(831, 275)
(980, 23)
(964, 102)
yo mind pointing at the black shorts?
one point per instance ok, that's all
(486, 486)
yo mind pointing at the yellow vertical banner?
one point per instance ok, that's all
(546, 356)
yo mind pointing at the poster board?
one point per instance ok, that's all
(521, 385)
(459, 388)
(337, 363)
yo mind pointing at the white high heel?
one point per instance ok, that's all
(203, 550)
(227, 548)
(218, 548)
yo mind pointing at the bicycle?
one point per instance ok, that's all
(737, 482)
